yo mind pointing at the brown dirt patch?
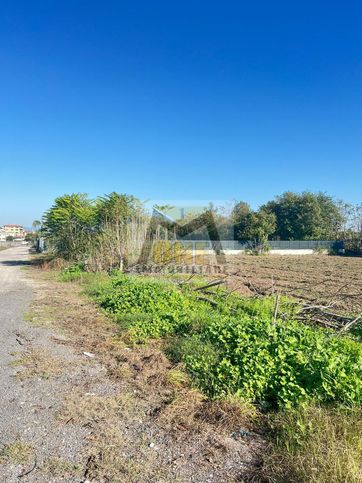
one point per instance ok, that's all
(309, 277)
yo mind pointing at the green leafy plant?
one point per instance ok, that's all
(233, 346)
(72, 273)
(147, 307)
(277, 365)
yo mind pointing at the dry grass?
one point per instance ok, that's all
(38, 363)
(316, 445)
(89, 409)
(42, 317)
(228, 415)
(178, 378)
(48, 262)
(180, 412)
(60, 468)
(114, 457)
(190, 411)
(148, 363)
(17, 453)
(112, 453)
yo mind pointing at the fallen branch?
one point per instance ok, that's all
(211, 302)
(209, 285)
(350, 324)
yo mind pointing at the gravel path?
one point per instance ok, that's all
(31, 438)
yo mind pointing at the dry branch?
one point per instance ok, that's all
(209, 285)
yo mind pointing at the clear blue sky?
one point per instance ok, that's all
(191, 99)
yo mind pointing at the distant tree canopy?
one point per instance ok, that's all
(240, 211)
(256, 227)
(305, 216)
(30, 237)
(36, 224)
(115, 208)
(216, 225)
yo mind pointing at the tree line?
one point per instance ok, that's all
(299, 216)
(109, 232)
(291, 216)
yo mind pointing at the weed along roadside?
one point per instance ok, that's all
(293, 390)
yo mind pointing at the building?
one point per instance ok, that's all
(16, 231)
(2, 235)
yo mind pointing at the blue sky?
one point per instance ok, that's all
(177, 100)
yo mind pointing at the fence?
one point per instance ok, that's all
(274, 245)
(206, 252)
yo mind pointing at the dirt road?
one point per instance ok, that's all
(29, 436)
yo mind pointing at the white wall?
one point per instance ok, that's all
(278, 252)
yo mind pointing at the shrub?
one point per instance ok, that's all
(353, 245)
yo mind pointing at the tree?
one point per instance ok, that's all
(256, 228)
(116, 208)
(352, 234)
(238, 217)
(356, 218)
(240, 211)
(100, 234)
(69, 224)
(30, 237)
(9, 238)
(116, 214)
(306, 216)
(35, 235)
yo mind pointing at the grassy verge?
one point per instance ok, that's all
(315, 444)
(305, 382)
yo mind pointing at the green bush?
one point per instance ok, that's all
(353, 245)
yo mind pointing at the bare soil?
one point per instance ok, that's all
(307, 277)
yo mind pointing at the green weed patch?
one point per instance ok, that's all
(232, 346)
(148, 308)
